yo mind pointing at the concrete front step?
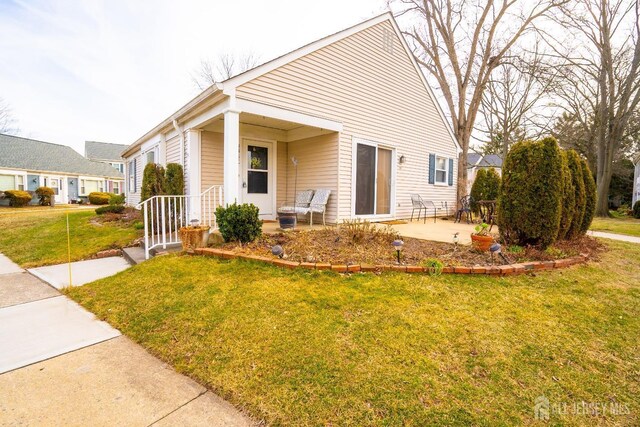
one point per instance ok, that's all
(134, 255)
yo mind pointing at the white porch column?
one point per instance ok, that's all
(193, 172)
(231, 156)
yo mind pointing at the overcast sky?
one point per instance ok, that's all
(111, 70)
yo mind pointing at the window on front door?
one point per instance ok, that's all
(257, 170)
(373, 180)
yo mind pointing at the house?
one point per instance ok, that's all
(636, 180)
(476, 161)
(105, 152)
(26, 164)
(353, 109)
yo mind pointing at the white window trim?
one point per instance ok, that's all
(394, 166)
(82, 191)
(444, 183)
(16, 174)
(131, 167)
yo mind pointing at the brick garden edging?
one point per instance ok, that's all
(502, 270)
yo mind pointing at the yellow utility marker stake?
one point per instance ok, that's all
(69, 249)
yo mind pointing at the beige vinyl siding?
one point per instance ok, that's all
(378, 96)
(212, 165)
(173, 149)
(317, 168)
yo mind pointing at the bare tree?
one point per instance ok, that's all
(513, 106)
(603, 70)
(7, 121)
(222, 68)
(460, 43)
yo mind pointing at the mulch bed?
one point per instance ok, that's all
(347, 246)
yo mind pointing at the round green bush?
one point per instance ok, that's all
(174, 176)
(44, 195)
(530, 201)
(18, 198)
(636, 209)
(110, 209)
(568, 198)
(590, 196)
(99, 198)
(580, 204)
(486, 186)
(239, 223)
(116, 199)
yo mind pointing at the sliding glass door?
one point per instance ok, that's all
(373, 180)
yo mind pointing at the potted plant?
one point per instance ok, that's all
(194, 236)
(481, 239)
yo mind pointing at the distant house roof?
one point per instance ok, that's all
(473, 158)
(491, 160)
(38, 156)
(95, 150)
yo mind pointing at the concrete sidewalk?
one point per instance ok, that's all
(61, 366)
(82, 272)
(614, 236)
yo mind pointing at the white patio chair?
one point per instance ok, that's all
(318, 204)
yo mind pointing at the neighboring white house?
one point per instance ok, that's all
(636, 180)
(26, 164)
(476, 161)
(353, 108)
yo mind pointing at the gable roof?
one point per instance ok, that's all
(38, 156)
(228, 86)
(473, 158)
(491, 160)
(95, 150)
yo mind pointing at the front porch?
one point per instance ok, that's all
(263, 159)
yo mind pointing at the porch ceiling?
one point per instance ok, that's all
(283, 129)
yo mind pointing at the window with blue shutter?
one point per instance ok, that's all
(450, 171)
(432, 168)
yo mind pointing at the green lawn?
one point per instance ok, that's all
(317, 348)
(39, 237)
(624, 225)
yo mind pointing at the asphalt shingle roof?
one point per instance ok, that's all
(23, 153)
(95, 150)
(491, 160)
(472, 158)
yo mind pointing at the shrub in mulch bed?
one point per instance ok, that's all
(342, 246)
(125, 216)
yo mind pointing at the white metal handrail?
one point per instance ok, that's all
(165, 215)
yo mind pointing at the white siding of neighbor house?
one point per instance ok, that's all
(133, 198)
(378, 95)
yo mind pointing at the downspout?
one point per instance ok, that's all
(182, 142)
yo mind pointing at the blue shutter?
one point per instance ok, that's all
(450, 171)
(432, 168)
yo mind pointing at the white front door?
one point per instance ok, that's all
(57, 184)
(258, 175)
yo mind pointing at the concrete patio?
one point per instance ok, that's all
(440, 231)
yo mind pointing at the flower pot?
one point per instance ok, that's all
(194, 237)
(287, 219)
(481, 243)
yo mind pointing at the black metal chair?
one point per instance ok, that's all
(465, 208)
(419, 204)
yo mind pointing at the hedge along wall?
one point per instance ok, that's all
(568, 198)
(531, 194)
(580, 196)
(590, 196)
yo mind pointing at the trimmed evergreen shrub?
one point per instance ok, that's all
(99, 198)
(110, 209)
(568, 198)
(239, 223)
(18, 198)
(153, 181)
(530, 201)
(116, 199)
(44, 195)
(577, 180)
(174, 176)
(636, 209)
(590, 196)
(486, 186)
